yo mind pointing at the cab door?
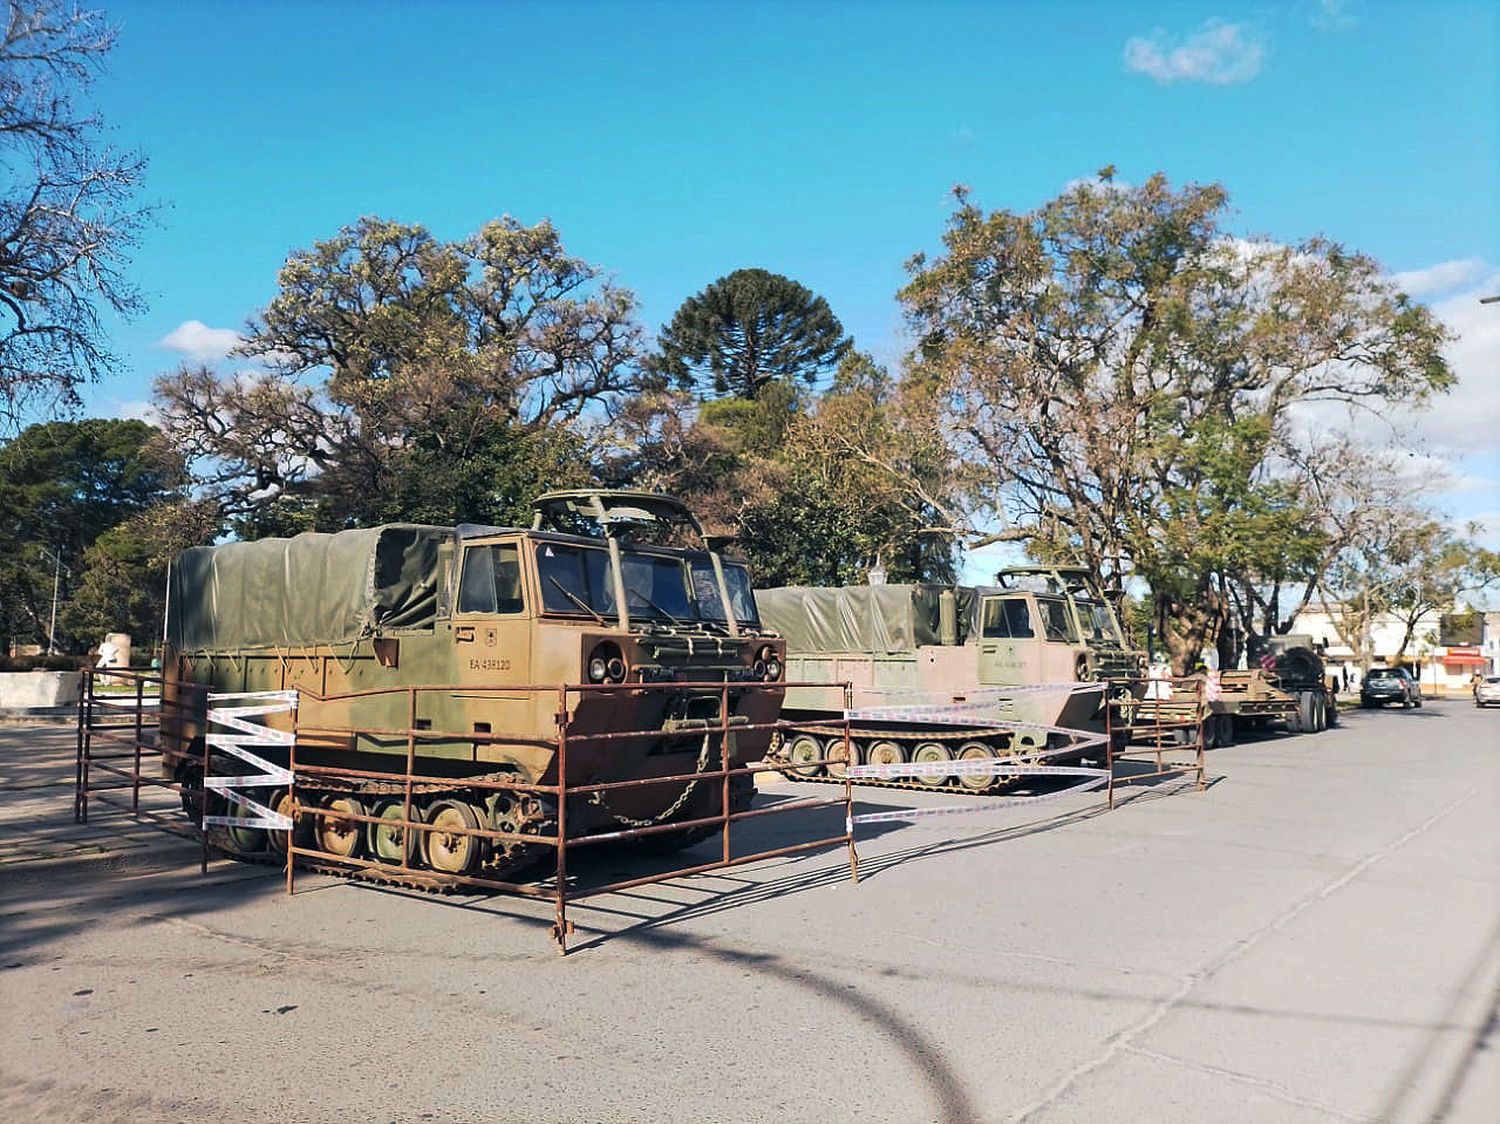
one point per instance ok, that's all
(492, 631)
(1062, 646)
(1009, 648)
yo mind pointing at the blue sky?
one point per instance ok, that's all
(673, 143)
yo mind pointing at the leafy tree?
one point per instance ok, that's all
(62, 486)
(484, 470)
(1437, 566)
(123, 585)
(748, 329)
(816, 490)
(1130, 373)
(387, 348)
(66, 211)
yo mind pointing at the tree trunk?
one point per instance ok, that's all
(1186, 630)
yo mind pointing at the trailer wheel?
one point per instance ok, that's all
(1306, 713)
(1226, 730)
(1210, 731)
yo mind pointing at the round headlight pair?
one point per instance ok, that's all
(605, 665)
(767, 665)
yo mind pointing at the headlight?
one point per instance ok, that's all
(767, 665)
(606, 665)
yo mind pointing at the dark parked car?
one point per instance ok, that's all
(1384, 685)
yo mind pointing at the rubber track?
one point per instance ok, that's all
(982, 733)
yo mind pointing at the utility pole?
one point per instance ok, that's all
(56, 578)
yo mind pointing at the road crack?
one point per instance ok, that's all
(1126, 1039)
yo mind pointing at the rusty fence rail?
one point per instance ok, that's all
(320, 825)
(1155, 721)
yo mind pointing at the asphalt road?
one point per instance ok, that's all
(1315, 937)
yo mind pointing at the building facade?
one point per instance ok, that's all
(1443, 670)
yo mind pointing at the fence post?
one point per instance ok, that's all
(724, 761)
(85, 685)
(560, 924)
(849, 784)
(411, 767)
(135, 777)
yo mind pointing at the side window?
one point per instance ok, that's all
(1018, 618)
(1056, 621)
(491, 580)
(992, 621)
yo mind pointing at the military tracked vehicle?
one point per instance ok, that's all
(944, 646)
(598, 591)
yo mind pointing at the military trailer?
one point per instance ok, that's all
(900, 645)
(1290, 690)
(487, 621)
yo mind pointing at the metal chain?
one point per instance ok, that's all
(686, 795)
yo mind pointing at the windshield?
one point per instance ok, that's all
(1057, 622)
(706, 590)
(576, 579)
(1382, 673)
(1098, 621)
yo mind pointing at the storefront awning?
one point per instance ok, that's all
(1464, 660)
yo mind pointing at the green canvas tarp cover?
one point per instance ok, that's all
(858, 618)
(312, 589)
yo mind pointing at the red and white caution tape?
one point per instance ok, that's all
(246, 733)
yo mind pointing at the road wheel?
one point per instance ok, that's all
(247, 839)
(339, 836)
(282, 805)
(838, 761)
(804, 749)
(927, 753)
(443, 847)
(975, 751)
(383, 842)
(1210, 731)
(884, 753)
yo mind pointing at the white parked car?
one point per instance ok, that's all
(1487, 690)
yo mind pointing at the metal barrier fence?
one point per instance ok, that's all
(292, 813)
(317, 823)
(1152, 718)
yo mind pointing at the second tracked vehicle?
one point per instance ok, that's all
(1047, 633)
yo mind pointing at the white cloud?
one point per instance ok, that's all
(1438, 279)
(1332, 15)
(1467, 418)
(134, 410)
(1219, 53)
(199, 342)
